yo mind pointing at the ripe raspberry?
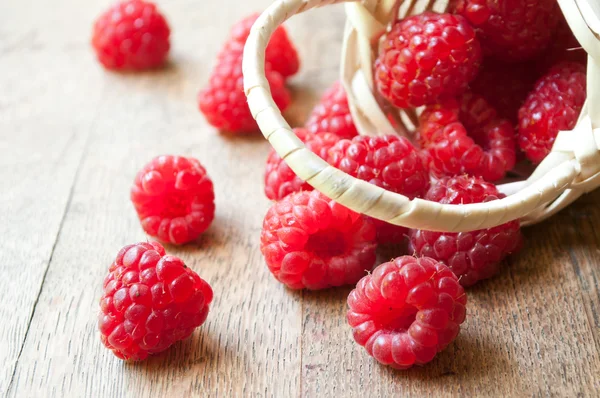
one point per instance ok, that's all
(224, 103)
(466, 136)
(150, 301)
(407, 311)
(505, 86)
(332, 114)
(280, 180)
(553, 105)
(280, 53)
(475, 255)
(510, 30)
(132, 34)
(174, 199)
(388, 161)
(563, 47)
(310, 241)
(425, 57)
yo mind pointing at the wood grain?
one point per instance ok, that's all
(72, 138)
(42, 142)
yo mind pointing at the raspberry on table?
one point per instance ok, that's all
(407, 311)
(310, 241)
(388, 161)
(280, 179)
(280, 54)
(132, 34)
(174, 199)
(466, 136)
(332, 114)
(552, 106)
(425, 57)
(150, 301)
(511, 30)
(223, 102)
(505, 86)
(475, 255)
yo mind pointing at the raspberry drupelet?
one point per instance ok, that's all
(223, 102)
(131, 34)
(280, 179)
(332, 114)
(407, 311)
(511, 30)
(309, 241)
(467, 136)
(174, 199)
(553, 105)
(475, 255)
(150, 301)
(425, 57)
(388, 161)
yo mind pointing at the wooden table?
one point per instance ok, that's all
(72, 137)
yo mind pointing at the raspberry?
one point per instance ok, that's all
(510, 30)
(280, 180)
(563, 47)
(407, 311)
(475, 255)
(280, 53)
(150, 301)
(174, 199)
(310, 241)
(553, 105)
(132, 34)
(388, 161)
(332, 114)
(224, 103)
(505, 86)
(426, 56)
(466, 136)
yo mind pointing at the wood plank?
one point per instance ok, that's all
(529, 332)
(250, 343)
(41, 145)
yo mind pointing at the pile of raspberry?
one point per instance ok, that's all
(494, 81)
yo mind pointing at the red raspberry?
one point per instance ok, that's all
(388, 161)
(474, 255)
(150, 301)
(563, 47)
(280, 180)
(131, 34)
(332, 114)
(407, 311)
(511, 30)
(466, 136)
(174, 199)
(310, 241)
(224, 102)
(425, 57)
(505, 86)
(553, 105)
(280, 53)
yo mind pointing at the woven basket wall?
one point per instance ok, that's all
(570, 170)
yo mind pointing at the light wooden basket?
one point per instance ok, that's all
(570, 170)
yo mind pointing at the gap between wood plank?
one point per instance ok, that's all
(58, 232)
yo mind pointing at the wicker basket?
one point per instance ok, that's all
(570, 170)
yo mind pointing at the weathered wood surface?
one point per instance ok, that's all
(72, 137)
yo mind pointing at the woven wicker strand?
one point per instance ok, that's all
(571, 169)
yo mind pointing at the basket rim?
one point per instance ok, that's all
(560, 171)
